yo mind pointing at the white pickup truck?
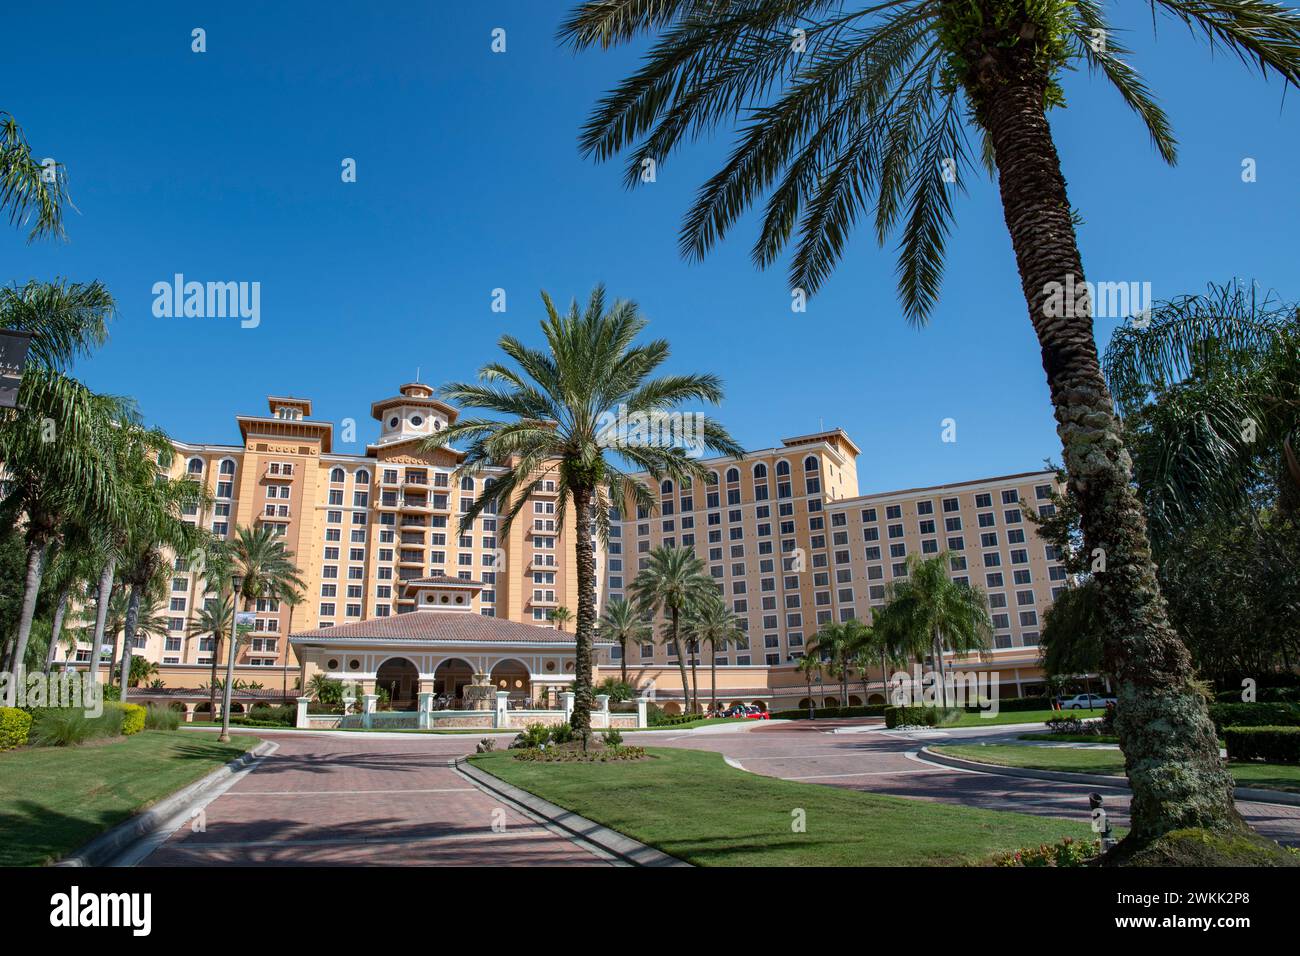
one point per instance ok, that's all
(1086, 702)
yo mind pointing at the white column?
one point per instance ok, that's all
(302, 711)
(641, 704)
(425, 707)
(567, 699)
(348, 704)
(602, 702)
(502, 718)
(368, 704)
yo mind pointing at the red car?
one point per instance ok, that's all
(747, 711)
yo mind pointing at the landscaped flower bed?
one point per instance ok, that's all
(573, 753)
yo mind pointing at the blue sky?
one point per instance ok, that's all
(225, 166)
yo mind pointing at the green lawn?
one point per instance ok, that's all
(693, 806)
(1021, 717)
(702, 722)
(55, 799)
(1072, 738)
(1266, 776)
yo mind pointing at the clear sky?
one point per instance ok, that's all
(225, 166)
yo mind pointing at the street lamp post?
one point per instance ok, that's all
(236, 582)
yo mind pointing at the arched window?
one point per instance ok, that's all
(227, 466)
(336, 476)
(810, 463)
(713, 478)
(760, 471)
(666, 487)
(782, 469)
(733, 475)
(362, 477)
(467, 483)
(194, 466)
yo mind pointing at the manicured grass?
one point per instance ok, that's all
(1072, 738)
(1020, 717)
(702, 722)
(55, 799)
(693, 806)
(1266, 776)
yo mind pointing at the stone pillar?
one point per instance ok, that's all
(602, 702)
(502, 715)
(425, 708)
(189, 713)
(348, 704)
(368, 704)
(567, 699)
(302, 712)
(641, 704)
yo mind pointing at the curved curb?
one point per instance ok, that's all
(1249, 794)
(623, 847)
(109, 844)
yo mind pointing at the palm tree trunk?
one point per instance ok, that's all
(1170, 749)
(938, 663)
(102, 599)
(128, 637)
(212, 684)
(586, 626)
(622, 660)
(56, 627)
(695, 678)
(713, 679)
(681, 661)
(228, 688)
(31, 590)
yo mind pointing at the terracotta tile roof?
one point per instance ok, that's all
(442, 580)
(463, 627)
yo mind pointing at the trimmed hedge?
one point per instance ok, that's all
(132, 719)
(1272, 744)
(921, 716)
(1254, 715)
(1018, 704)
(820, 713)
(15, 724)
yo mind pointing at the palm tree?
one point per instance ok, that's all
(711, 622)
(929, 608)
(857, 108)
(561, 616)
(881, 644)
(27, 186)
(265, 570)
(808, 665)
(674, 582)
(837, 644)
(623, 625)
(212, 621)
(563, 409)
(74, 565)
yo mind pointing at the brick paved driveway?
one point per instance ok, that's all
(360, 800)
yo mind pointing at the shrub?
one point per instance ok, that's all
(266, 716)
(133, 716)
(820, 713)
(161, 718)
(1065, 725)
(1069, 852)
(68, 726)
(612, 737)
(1273, 744)
(1017, 704)
(1254, 715)
(921, 716)
(534, 735)
(552, 755)
(15, 725)
(561, 733)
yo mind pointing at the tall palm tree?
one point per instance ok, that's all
(929, 608)
(809, 665)
(27, 187)
(561, 616)
(266, 570)
(673, 583)
(213, 621)
(622, 624)
(712, 623)
(73, 569)
(882, 645)
(563, 409)
(855, 108)
(837, 643)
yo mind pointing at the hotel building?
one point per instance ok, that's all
(785, 532)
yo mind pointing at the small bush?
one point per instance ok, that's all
(561, 733)
(133, 716)
(558, 755)
(15, 726)
(264, 716)
(1271, 744)
(69, 726)
(825, 713)
(1069, 852)
(1254, 715)
(161, 718)
(534, 735)
(612, 738)
(921, 716)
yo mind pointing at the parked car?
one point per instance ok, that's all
(747, 711)
(1086, 702)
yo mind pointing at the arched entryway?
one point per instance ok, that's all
(512, 677)
(401, 680)
(449, 680)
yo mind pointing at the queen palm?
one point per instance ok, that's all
(712, 623)
(837, 644)
(28, 188)
(809, 665)
(266, 571)
(562, 409)
(853, 109)
(561, 616)
(674, 582)
(622, 624)
(927, 611)
(212, 621)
